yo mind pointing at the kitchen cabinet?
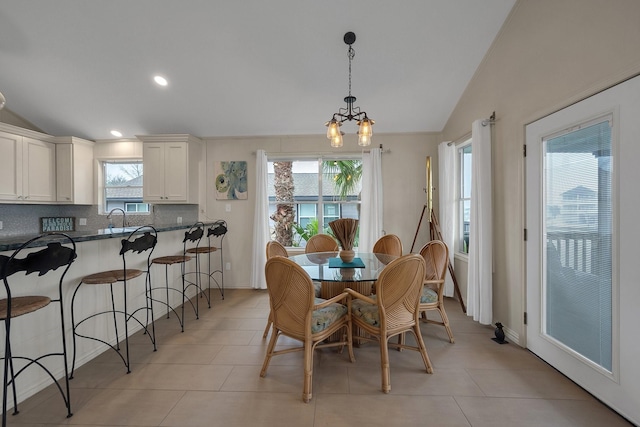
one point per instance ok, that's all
(74, 171)
(171, 165)
(27, 168)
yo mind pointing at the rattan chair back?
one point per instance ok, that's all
(275, 248)
(436, 256)
(291, 296)
(398, 293)
(389, 244)
(321, 243)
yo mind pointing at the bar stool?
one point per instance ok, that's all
(218, 230)
(43, 261)
(142, 239)
(193, 235)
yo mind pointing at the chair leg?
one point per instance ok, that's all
(8, 367)
(352, 358)
(73, 331)
(308, 372)
(423, 349)
(384, 365)
(126, 327)
(166, 288)
(115, 321)
(149, 302)
(266, 330)
(269, 354)
(67, 398)
(445, 322)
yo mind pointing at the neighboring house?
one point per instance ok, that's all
(306, 199)
(127, 196)
(580, 206)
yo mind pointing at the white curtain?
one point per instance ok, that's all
(371, 200)
(260, 223)
(447, 203)
(479, 292)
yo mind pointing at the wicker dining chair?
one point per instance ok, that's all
(321, 243)
(392, 311)
(298, 314)
(389, 244)
(274, 248)
(436, 256)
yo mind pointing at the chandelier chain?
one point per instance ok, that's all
(351, 54)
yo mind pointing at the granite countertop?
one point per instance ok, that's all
(11, 243)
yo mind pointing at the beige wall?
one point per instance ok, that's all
(549, 54)
(403, 168)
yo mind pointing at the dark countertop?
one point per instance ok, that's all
(11, 243)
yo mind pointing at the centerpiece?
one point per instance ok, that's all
(344, 230)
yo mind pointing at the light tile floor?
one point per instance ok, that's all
(209, 376)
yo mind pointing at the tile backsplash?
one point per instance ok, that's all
(25, 219)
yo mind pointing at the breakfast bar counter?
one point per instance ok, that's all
(13, 242)
(96, 251)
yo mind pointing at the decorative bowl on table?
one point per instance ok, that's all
(347, 255)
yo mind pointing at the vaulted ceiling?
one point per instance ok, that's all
(238, 68)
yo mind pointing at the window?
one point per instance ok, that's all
(464, 199)
(123, 186)
(306, 194)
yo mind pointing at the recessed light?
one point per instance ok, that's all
(116, 133)
(161, 81)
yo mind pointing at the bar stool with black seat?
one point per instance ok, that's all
(58, 255)
(141, 240)
(193, 237)
(215, 238)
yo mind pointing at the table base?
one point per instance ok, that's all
(331, 289)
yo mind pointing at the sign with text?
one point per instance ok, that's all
(67, 223)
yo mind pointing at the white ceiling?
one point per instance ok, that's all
(238, 68)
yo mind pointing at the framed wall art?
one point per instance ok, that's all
(231, 180)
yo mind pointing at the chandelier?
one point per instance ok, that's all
(334, 134)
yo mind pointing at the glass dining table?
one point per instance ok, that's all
(334, 276)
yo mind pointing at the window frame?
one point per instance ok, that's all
(103, 208)
(320, 203)
(462, 170)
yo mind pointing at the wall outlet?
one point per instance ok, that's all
(179, 220)
(227, 207)
(227, 266)
(82, 221)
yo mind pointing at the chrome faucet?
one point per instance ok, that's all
(124, 217)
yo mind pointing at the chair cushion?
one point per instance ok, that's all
(325, 317)
(365, 311)
(428, 296)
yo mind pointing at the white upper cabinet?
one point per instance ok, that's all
(27, 169)
(171, 165)
(74, 171)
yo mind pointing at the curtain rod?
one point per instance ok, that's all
(491, 120)
(328, 153)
